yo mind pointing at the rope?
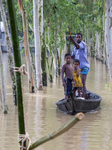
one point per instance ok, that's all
(21, 69)
(24, 140)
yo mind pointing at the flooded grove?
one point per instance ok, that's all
(42, 117)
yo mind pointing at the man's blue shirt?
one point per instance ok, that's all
(81, 55)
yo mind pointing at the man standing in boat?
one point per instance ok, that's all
(79, 52)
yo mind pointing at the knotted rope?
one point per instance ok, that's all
(24, 141)
(21, 69)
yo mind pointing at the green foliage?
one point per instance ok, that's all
(57, 13)
(87, 14)
(108, 85)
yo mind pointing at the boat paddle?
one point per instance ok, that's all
(73, 104)
(70, 35)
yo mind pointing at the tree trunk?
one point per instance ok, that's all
(27, 48)
(33, 64)
(42, 18)
(17, 58)
(43, 62)
(4, 105)
(37, 44)
(88, 46)
(49, 64)
(97, 46)
(9, 49)
(43, 49)
(108, 34)
(56, 56)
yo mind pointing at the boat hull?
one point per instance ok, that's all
(71, 106)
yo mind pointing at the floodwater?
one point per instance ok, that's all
(42, 117)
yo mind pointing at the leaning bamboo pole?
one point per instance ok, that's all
(61, 130)
(9, 50)
(4, 105)
(17, 58)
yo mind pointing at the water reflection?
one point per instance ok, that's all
(42, 117)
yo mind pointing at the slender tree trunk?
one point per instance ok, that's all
(55, 38)
(33, 65)
(27, 48)
(108, 34)
(98, 46)
(4, 105)
(104, 57)
(49, 64)
(43, 49)
(88, 47)
(17, 58)
(42, 18)
(64, 50)
(9, 49)
(43, 61)
(37, 44)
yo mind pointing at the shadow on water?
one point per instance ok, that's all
(42, 116)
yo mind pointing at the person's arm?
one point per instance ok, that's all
(73, 54)
(62, 75)
(76, 45)
(78, 72)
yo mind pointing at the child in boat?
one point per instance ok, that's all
(77, 78)
(67, 76)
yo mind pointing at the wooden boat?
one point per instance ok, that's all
(72, 106)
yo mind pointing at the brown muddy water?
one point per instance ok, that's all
(42, 117)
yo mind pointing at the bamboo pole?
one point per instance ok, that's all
(17, 58)
(61, 130)
(70, 35)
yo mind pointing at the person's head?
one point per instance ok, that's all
(76, 63)
(68, 58)
(78, 37)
